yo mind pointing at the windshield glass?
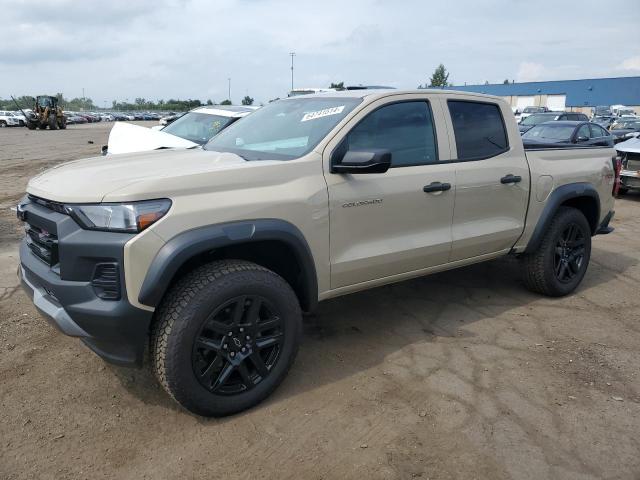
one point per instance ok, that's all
(550, 133)
(532, 110)
(535, 119)
(283, 130)
(198, 127)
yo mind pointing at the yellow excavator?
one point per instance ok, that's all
(46, 113)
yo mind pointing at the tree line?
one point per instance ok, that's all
(141, 104)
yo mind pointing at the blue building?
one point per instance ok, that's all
(575, 95)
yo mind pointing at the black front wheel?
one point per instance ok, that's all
(559, 264)
(225, 337)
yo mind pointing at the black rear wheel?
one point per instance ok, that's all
(561, 261)
(225, 337)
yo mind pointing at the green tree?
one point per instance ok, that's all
(247, 100)
(209, 102)
(506, 81)
(226, 102)
(440, 78)
(337, 86)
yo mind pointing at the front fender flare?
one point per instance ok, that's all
(186, 245)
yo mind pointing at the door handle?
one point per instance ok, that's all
(436, 187)
(510, 179)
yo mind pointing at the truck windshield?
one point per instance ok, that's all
(283, 130)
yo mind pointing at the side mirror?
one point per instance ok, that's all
(362, 161)
(582, 139)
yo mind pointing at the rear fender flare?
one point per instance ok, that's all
(559, 196)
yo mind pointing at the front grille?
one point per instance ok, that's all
(106, 281)
(55, 206)
(43, 244)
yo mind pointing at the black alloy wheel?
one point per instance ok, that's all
(569, 253)
(238, 345)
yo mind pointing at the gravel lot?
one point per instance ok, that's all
(458, 375)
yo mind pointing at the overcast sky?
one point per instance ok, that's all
(119, 49)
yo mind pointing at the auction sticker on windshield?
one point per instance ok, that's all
(322, 113)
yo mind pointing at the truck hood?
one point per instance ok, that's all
(154, 174)
(129, 138)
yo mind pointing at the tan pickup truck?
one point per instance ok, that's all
(210, 256)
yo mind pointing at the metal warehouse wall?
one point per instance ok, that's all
(580, 93)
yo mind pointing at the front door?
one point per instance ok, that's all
(386, 224)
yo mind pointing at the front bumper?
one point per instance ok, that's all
(66, 293)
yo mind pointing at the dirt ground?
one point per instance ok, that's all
(463, 374)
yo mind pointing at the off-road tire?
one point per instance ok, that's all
(538, 268)
(31, 126)
(53, 122)
(183, 313)
(62, 125)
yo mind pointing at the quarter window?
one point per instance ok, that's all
(406, 129)
(479, 129)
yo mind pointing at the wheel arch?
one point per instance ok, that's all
(272, 243)
(581, 196)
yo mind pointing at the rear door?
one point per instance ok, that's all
(491, 178)
(386, 224)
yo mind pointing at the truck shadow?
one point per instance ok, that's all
(360, 331)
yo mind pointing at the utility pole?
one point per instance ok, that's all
(229, 96)
(293, 54)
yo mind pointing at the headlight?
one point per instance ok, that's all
(119, 217)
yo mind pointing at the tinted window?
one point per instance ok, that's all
(479, 129)
(597, 131)
(583, 132)
(406, 129)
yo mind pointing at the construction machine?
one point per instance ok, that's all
(45, 113)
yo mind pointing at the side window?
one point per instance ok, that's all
(479, 129)
(583, 131)
(597, 132)
(406, 129)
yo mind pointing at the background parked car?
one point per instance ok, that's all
(604, 120)
(8, 120)
(73, 118)
(625, 129)
(172, 117)
(556, 133)
(201, 124)
(531, 110)
(538, 118)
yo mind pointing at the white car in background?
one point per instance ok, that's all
(191, 130)
(7, 119)
(531, 110)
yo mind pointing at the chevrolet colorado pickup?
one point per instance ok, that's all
(208, 257)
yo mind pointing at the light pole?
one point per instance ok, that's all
(293, 54)
(229, 96)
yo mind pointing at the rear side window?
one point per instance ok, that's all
(597, 131)
(479, 129)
